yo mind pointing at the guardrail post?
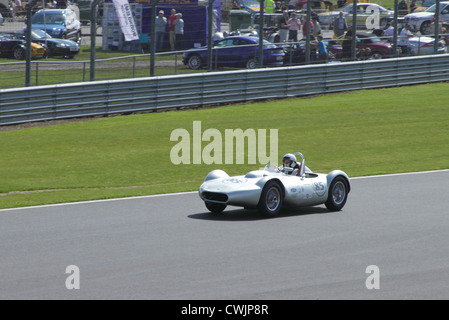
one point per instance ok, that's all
(395, 25)
(210, 14)
(153, 37)
(261, 31)
(308, 15)
(437, 26)
(29, 7)
(93, 36)
(354, 31)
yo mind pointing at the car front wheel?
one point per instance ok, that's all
(194, 62)
(425, 28)
(251, 63)
(377, 55)
(338, 194)
(270, 203)
(19, 53)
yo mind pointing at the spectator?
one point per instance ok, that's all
(404, 39)
(341, 3)
(363, 54)
(171, 28)
(413, 6)
(347, 46)
(301, 5)
(389, 32)
(441, 29)
(294, 25)
(283, 27)
(316, 4)
(316, 29)
(339, 25)
(292, 4)
(329, 5)
(322, 50)
(283, 6)
(278, 7)
(161, 23)
(179, 30)
(304, 28)
(61, 4)
(235, 5)
(403, 7)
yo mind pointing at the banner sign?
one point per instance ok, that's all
(126, 19)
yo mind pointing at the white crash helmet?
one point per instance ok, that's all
(292, 159)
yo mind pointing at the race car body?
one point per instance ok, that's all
(272, 188)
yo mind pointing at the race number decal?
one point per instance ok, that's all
(320, 188)
(234, 180)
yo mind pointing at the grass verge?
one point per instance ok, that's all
(363, 133)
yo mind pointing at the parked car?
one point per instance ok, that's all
(5, 10)
(59, 23)
(240, 51)
(420, 21)
(425, 46)
(425, 5)
(55, 47)
(295, 53)
(378, 47)
(11, 46)
(364, 10)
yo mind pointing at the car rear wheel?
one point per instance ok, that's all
(215, 207)
(425, 28)
(194, 62)
(251, 63)
(338, 194)
(19, 53)
(377, 55)
(270, 203)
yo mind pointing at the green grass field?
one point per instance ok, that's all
(363, 133)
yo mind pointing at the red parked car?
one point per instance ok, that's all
(378, 48)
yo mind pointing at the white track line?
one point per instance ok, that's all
(192, 192)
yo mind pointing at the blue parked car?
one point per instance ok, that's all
(59, 23)
(238, 51)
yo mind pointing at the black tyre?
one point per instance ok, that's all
(215, 207)
(270, 203)
(48, 53)
(425, 28)
(338, 194)
(376, 55)
(251, 63)
(78, 37)
(19, 53)
(194, 62)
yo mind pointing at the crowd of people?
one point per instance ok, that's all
(173, 25)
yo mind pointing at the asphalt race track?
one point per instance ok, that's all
(168, 247)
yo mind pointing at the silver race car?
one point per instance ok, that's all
(271, 189)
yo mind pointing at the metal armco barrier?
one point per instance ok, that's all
(145, 94)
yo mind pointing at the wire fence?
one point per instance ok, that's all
(170, 62)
